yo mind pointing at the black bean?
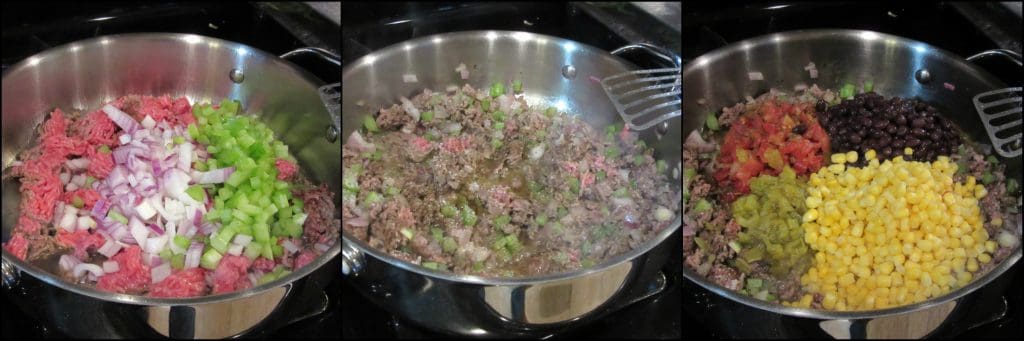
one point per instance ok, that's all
(820, 107)
(890, 129)
(919, 132)
(937, 136)
(854, 139)
(901, 130)
(917, 123)
(887, 151)
(901, 120)
(912, 142)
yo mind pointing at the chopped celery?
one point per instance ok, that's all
(211, 259)
(197, 193)
(182, 242)
(77, 202)
(116, 216)
(178, 261)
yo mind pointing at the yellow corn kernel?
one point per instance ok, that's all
(839, 158)
(908, 151)
(972, 265)
(869, 155)
(829, 302)
(836, 169)
(813, 201)
(846, 279)
(984, 258)
(883, 281)
(967, 240)
(851, 156)
(980, 192)
(810, 215)
(990, 246)
(998, 222)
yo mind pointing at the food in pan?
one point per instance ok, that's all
(154, 196)
(477, 182)
(901, 208)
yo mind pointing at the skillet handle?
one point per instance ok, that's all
(319, 52)
(330, 94)
(657, 51)
(1012, 56)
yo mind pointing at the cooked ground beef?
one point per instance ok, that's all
(506, 190)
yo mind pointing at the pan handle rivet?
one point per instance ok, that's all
(569, 72)
(236, 76)
(923, 76)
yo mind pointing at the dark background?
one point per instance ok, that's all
(31, 27)
(961, 28)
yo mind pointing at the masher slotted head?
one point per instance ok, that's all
(645, 98)
(1000, 112)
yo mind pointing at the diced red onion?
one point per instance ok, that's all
(80, 269)
(124, 139)
(160, 272)
(949, 86)
(215, 176)
(358, 222)
(145, 210)
(86, 223)
(242, 239)
(152, 259)
(185, 156)
(111, 266)
(68, 221)
(357, 142)
(156, 229)
(120, 118)
(156, 244)
(409, 108)
(322, 247)
(68, 262)
(139, 231)
(109, 249)
(813, 73)
(235, 249)
(193, 255)
(148, 122)
(253, 279)
(291, 247)
(77, 164)
(64, 178)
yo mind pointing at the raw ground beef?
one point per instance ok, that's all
(133, 277)
(230, 274)
(285, 169)
(17, 246)
(183, 283)
(80, 240)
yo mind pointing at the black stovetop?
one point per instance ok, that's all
(368, 27)
(30, 28)
(964, 29)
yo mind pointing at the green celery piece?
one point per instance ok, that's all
(178, 261)
(253, 250)
(266, 279)
(449, 245)
(182, 242)
(430, 265)
(219, 245)
(166, 254)
(211, 259)
(261, 232)
(197, 193)
(117, 217)
(268, 251)
(278, 250)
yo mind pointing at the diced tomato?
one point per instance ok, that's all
(764, 136)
